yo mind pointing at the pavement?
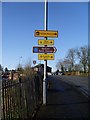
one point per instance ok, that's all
(64, 101)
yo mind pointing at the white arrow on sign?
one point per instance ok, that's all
(55, 49)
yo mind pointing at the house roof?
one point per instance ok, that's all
(42, 65)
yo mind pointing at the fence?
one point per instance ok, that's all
(21, 98)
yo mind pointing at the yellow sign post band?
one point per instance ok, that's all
(44, 33)
(45, 42)
(45, 56)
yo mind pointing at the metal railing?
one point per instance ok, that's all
(21, 98)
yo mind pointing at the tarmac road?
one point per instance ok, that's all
(81, 83)
(63, 101)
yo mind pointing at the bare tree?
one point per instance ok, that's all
(20, 69)
(60, 65)
(64, 65)
(82, 54)
(1, 68)
(6, 69)
(67, 65)
(28, 71)
(78, 67)
(71, 57)
(89, 59)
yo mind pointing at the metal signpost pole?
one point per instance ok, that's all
(45, 33)
(45, 62)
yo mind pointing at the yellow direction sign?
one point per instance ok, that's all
(45, 42)
(45, 56)
(44, 33)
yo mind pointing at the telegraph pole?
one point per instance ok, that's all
(45, 61)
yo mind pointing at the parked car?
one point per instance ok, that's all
(61, 73)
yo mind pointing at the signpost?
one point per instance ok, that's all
(45, 33)
(45, 42)
(37, 49)
(46, 56)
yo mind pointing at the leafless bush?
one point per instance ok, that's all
(28, 71)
